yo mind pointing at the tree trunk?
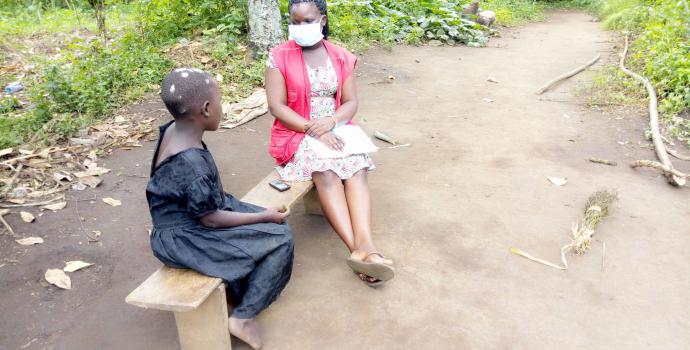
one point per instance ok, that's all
(265, 26)
(99, 9)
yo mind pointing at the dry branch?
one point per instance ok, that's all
(677, 155)
(657, 140)
(668, 172)
(567, 75)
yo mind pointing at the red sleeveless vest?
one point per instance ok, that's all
(288, 57)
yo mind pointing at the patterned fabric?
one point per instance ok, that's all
(255, 260)
(324, 85)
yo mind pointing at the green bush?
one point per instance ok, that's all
(660, 49)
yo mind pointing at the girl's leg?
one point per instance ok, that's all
(359, 205)
(334, 204)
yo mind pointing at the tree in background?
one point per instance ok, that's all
(99, 9)
(265, 26)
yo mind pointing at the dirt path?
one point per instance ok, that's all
(446, 209)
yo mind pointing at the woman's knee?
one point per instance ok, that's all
(326, 178)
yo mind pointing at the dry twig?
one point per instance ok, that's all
(567, 75)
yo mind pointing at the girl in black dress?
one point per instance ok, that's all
(197, 225)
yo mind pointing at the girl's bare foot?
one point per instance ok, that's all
(246, 330)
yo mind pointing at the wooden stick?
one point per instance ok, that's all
(677, 155)
(33, 204)
(666, 170)
(8, 188)
(567, 75)
(7, 226)
(602, 161)
(659, 146)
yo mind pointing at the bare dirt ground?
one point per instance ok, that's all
(447, 209)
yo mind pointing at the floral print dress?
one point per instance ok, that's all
(324, 86)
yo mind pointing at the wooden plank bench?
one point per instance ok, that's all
(198, 301)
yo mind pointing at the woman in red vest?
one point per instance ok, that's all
(311, 90)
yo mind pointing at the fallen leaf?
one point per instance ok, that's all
(492, 80)
(78, 186)
(76, 265)
(4, 212)
(60, 176)
(486, 99)
(558, 181)
(17, 200)
(94, 171)
(27, 217)
(29, 240)
(91, 181)
(112, 201)
(205, 59)
(56, 206)
(219, 78)
(6, 151)
(58, 278)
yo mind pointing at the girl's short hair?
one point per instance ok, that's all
(323, 8)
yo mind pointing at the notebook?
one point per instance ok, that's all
(356, 142)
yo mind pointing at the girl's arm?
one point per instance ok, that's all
(276, 92)
(225, 219)
(346, 111)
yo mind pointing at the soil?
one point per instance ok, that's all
(447, 209)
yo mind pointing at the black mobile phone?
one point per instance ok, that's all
(279, 185)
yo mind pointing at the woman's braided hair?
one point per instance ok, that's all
(321, 5)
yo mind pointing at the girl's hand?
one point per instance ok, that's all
(318, 127)
(333, 141)
(276, 215)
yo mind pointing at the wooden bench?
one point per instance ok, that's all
(198, 301)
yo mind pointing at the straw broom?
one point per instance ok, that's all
(596, 209)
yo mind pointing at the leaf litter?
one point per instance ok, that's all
(72, 266)
(58, 278)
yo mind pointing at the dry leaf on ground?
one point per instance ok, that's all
(6, 151)
(27, 217)
(558, 181)
(76, 265)
(56, 206)
(58, 278)
(112, 201)
(29, 240)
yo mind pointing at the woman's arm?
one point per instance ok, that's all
(224, 218)
(346, 111)
(276, 92)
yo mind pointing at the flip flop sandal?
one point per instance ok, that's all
(367, 280)
(380, 271)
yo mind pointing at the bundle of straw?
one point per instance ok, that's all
(596, 209)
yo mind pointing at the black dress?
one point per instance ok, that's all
(255, 260)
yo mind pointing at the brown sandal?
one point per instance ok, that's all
(379, 271)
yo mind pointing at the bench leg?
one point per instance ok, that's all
(312, 205)
(206, 327)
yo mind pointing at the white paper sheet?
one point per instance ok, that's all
(356, 142)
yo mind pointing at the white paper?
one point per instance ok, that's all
(356, 142)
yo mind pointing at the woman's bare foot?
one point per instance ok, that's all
(246, 330)
(368, 257)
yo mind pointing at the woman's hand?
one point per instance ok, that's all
(318, 127)
(276, 215)
(333, 141)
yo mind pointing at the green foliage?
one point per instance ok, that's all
(164, 21)
(358, 23)
(513, 12)
(660, 49)
(94, 78)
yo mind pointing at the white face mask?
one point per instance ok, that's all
(306, 35)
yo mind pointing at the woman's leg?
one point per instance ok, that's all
(359, 207)
(334, 204)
